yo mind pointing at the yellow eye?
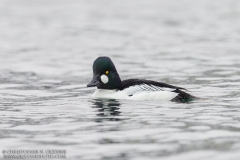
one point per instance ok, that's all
(107, 72)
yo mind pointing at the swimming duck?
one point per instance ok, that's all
(109, 84)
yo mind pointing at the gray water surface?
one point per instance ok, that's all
(47, 50)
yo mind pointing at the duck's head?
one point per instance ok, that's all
(105, 75)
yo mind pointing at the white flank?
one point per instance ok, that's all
(154, 96)
(104, 79)
(140, 95)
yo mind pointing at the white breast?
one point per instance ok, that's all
(112, 94)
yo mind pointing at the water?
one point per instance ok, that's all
(47, 50)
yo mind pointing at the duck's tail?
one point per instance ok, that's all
(183, 97)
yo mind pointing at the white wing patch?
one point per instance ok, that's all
(145, 88)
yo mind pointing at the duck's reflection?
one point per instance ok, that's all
(107, 109)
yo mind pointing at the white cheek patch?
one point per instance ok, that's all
(104, 79)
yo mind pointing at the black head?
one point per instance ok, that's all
(105, 75)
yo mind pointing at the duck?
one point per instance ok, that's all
(109, 85)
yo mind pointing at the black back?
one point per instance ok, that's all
(152, 85)
(131, 82)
